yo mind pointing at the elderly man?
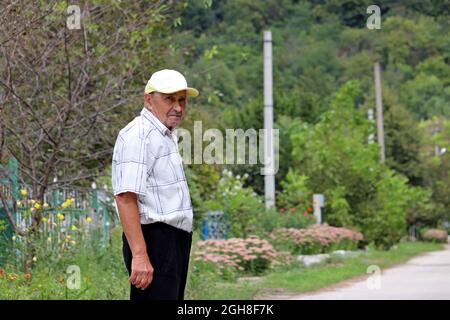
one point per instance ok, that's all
(151, 192)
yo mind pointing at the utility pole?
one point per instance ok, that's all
(371, 119)
(269, 177)
(379, 105)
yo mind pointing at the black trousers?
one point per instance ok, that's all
(168, 249)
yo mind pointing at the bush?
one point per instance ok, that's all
(249, 256)
(435, 235)
(315, 239)
(382, 219)
(268, 220)
(295, 195)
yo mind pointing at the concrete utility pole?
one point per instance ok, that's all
(379, 104)
(371, 119)
(269, 177)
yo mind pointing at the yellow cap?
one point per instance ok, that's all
(169, 81)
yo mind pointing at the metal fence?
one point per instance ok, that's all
(91, 208)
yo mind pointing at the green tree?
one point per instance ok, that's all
(403, 140)
(360, 191)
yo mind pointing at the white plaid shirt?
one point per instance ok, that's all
(146, 161)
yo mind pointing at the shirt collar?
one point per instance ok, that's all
(147, 114)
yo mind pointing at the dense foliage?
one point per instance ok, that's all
(323, 86)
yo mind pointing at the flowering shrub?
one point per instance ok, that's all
(435, 235)
(252, 255)
(315, 239)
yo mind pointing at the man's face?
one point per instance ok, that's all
(168, 108)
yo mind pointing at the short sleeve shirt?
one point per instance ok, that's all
(146, 161)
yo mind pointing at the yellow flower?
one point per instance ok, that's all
(12, 276)
(37, 205)
(67, 203)
(46, 205)
(14, 238)
(60, 216)
(44, 219)
(34, 259)
(19, 203)
(73, 228)
(23, 192)
(88, 219)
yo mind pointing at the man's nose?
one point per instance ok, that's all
(177, 107)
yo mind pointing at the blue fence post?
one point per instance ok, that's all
(204, 235)
(55, 198)
(94, 206)
(105, 224)
(214, 225)
(94, 197)
(13, 174)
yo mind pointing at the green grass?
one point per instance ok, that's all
(302, 279)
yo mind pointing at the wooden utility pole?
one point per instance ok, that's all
(379, 105)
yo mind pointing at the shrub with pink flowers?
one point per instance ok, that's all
(251, 255)
(435, 235)
(315, 239)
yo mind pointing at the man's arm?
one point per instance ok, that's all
(141, 268)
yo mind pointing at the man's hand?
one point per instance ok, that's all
(141, 271)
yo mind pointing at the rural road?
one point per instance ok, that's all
(426, 277)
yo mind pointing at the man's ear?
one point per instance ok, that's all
(148, 100)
